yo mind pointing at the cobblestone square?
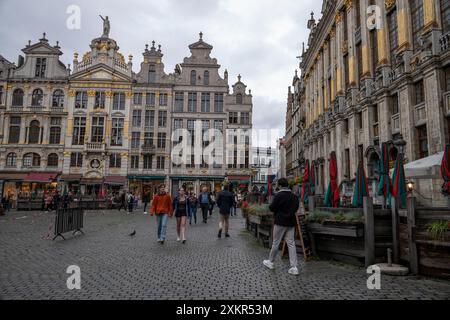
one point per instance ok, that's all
(117, 266)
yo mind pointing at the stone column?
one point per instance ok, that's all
(408, 129)
(384, 118)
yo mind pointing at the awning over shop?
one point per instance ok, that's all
(426, 168)
(239, 179)
(71, 177)
(12, 176)
(42, 177)
(147, 178)
(116, 180)
(201, 178)
(91, 181)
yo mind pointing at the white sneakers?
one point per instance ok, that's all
(145, 212)
(269, 264)
(293, 271)
(178, 239)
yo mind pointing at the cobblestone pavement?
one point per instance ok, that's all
(117, 266)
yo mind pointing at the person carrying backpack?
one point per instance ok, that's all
(205, 202)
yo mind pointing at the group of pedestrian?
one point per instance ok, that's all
(128, 201)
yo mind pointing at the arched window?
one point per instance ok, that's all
(34, 132)
(152, 74)
(206, 78)
(11, 159)
(37, 97)
(58, 99)
(52, 160)
(17, 98)
(193, 78)
(31, 160)
(239, 98)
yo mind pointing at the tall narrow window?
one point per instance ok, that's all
(193, 78)
(117, 131)
(360, 60)
(134, 162)
(148, 161)
(394, 104)
(192, 102)
(58, 99)
(14, 130)
(161, 140)
(206, 102)
(445, 16)
(37, 98)
(55, 130)
(346, 71)
(137, 118)
(135, 139)
(17, 100)
(206, 78)
(1, 95)
(115, 160)
(245, 118)
(31, 160)
(148, 139)
(423, 141)
(137, 99)
(76, 160)
(34, 132)
(233, 118)
(218, 102)
(419, 93)
(417, 20)
(163, 99)
(100, 99)
(358, 13)
(81, 99)
(119, 101)
(393, 32)
(151, 73)
(11, 159)
(98, 124)
(160, 162)
(150, 99)
(179, 101)
(162, 119)
(41, 65)
(79, 131)
(149, 120)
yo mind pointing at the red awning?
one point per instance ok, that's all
(238, 178)
(71, 177)
(91, 181)
(116, 180)
(42, 177)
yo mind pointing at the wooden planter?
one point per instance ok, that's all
(261, 226)
(338, 241)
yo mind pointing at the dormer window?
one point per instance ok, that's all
(152, 73)
(206, 78)
(41, 64)
(239, 98)
(193, 78)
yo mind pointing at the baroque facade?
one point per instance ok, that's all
(373, 71)
(101, 124)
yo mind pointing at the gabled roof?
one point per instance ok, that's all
(118, 76)
(42, 47)
(200, 44)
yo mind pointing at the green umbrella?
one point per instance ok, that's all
(361, 186)
(385, 186)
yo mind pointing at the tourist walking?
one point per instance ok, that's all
(193, 204)
(122, 201)
(212, 203)
(130, 202)
(205, 202)
(146, 200)
(225, 201)
(181, 211)
(284, 206)
(162, 207)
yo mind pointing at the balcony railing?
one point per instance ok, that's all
(148, 148)
(17, 108)
(395, 123)
(94, 146)
(420, 114)
(444, 41)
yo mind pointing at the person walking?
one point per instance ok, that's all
(146, 200)
(193, 203)
(123, 201)
(181, 211)
(212, 203)
(225, 201)
(162, 207)
(205, 202)
(284, 206)
(130, 202)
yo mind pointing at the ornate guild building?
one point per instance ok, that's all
(373, 71)
(100, 126)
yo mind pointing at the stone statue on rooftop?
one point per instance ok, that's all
(106, 27)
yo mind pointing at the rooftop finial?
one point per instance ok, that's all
(239, 78)
(159, 48)
(303, 47)
(153, 44)
(146, 47)
(201, 36)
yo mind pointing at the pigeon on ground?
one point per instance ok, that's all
(133, 233)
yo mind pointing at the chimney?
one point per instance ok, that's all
(20, 61)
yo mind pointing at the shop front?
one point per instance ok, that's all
(115, 184)
(240, 183)
(141, 185)
(10, 186)
(34, 188)
(196, 184)
(71, 183)
(91, 187)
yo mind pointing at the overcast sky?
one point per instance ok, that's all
(260, 39)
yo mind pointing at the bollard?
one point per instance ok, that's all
(389, 255)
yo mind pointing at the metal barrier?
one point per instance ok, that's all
(67, 220)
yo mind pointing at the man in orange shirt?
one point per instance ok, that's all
(163, 208)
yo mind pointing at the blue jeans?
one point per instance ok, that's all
(193, 213)
(162, 226)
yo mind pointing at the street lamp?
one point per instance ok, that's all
(410, 186)
(400, 143)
